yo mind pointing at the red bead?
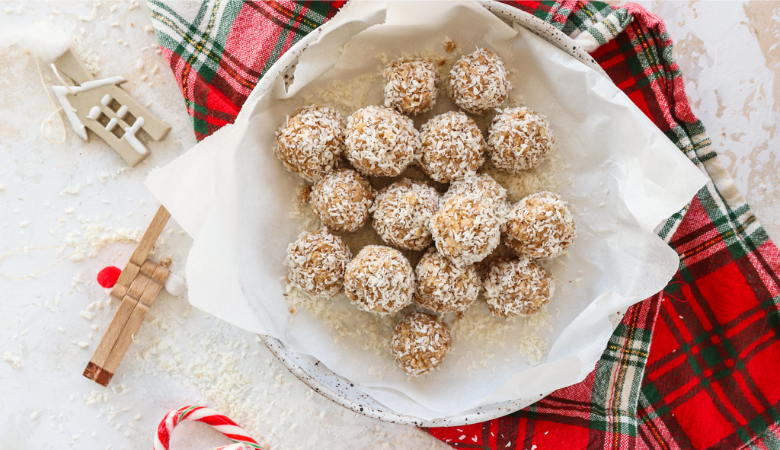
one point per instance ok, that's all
(108, 276)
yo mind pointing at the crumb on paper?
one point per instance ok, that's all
(302, 194)
(449, 45)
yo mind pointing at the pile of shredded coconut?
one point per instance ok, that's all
(379, 280)
(540, 226)
(420, 342)
(342, 200)
(380, 142)
(402, 214)
(316, 263)
(479, 82)
(465, 230)
(519, 139)
(442, 287)
(484, 187)
(517, 288)
(451, 146)
(411, 85)
(311, 141)
(525, 334)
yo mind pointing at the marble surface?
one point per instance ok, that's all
(75, 207)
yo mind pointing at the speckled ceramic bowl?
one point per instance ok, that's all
(308, 369)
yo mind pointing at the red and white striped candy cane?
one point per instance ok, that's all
(220, 422)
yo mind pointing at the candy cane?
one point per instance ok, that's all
(219, 422)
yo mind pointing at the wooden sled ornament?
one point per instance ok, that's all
(106, 109)
(137, 288)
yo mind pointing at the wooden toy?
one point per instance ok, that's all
(136, 289)
(106, 109)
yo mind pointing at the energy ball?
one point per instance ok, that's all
(442, 287)
(311, 141)
(482, 186)
(451, 146)
(402, 214)
(379, 280)
(380, 141)
(420, 343)
(540, 226)
(316, 263)
(517, 288)
(411, 85)
(479, 82)
(519, 139)
(342, 200)
(465, 230)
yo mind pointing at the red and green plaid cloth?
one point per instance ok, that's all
(709, 379)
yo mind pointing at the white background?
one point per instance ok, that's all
(76, 192)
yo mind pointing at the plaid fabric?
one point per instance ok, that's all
(218, 55)
(708, 379)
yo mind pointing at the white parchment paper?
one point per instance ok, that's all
(624, 177)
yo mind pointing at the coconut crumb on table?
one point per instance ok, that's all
(13, 360)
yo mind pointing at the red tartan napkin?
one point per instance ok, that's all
(709, 378)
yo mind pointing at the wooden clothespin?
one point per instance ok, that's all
(106, 109)
(137, 288)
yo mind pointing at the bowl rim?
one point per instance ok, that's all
(287, 61)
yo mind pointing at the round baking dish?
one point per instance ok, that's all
(311, 371)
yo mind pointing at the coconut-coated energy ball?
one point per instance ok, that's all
(311, 141)
(380, 142)
(519, 139)
(482, 186)
(465, 230)
(517, 288)
(379, 280)
(451, 146)
(479, 82)
(342, 200)
(316, 263)
(540, 226)
(402, 214)
(442, 287)
(420, 342)
(411, 85)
